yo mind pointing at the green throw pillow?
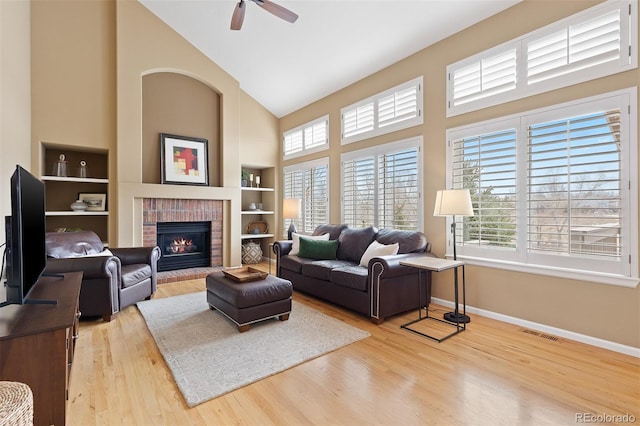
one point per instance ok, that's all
(318, 249)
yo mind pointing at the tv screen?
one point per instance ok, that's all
(25, 232)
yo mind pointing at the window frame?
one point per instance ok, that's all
(384, 149)
(302, 128)
(628, 58)
(303, 167)
(374, 100)
(520, 260)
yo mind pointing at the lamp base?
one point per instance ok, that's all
(291, 230)
(461, 318)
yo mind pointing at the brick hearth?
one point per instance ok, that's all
(182, 210)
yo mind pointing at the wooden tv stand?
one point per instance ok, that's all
(37, 344)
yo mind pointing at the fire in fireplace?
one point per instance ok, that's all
(184, 245)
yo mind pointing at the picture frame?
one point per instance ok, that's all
(96, 201)
(184, 160)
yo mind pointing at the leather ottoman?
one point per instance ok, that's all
(249, 302)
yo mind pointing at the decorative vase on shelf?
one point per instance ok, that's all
(79, 206)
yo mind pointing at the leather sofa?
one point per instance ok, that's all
(381, 289)
(112, 278)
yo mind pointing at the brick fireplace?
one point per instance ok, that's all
(158, 210)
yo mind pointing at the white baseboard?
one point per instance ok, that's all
(582, 338)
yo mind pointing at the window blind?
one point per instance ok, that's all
(485, 78)
(486, 165)
(398, 190)
(358, 192)
(307, 138)
(574, 186)
(309, 183)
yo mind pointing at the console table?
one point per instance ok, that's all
(437, 265)
(37, 344)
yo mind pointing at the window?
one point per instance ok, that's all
(308, 182)
(591, 44)
(552, 188)
(308, 138)
(381, 186)
(395, 109)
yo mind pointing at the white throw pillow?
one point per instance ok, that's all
(295, 248)
(376, 249)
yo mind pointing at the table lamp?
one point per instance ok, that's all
(452, 202)
(291, 210)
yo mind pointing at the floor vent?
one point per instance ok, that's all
(544, 336)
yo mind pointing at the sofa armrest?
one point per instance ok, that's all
(283, 247)
(134, 255)
(94, 267)
(389, 266)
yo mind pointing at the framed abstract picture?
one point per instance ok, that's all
(184, 160)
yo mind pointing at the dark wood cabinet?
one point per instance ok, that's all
(37, 344)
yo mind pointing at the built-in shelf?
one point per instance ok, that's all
(247, 188)
(74, 179)
(257, 212)
(252, 236)
(76, 213)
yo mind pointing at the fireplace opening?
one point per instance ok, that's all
(184, 245)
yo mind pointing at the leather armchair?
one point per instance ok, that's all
(112, 279)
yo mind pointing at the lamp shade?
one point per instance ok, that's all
(291, 208)
(453, 202)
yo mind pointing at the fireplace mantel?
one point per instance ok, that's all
(131, 197)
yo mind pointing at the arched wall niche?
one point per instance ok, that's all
(179, 104)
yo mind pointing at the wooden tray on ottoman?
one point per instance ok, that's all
(245, 274)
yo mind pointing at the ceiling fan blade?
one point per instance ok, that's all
(276, 9)
(238, 16)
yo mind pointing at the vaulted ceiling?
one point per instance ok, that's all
(332, 44)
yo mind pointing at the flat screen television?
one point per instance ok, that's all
(26, 255)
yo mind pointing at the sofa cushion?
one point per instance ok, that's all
(352, 276)
(295, 241)
(354, 242)
(334, 231)
(293, 263)
(321, 269)
(135, 273)
(376, 249)
(318, 249)
(409, 241)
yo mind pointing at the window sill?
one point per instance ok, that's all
(573, 274)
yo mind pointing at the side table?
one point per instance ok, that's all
(437, 265)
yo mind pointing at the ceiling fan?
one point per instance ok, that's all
(276, 9)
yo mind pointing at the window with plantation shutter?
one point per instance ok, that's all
(486, 165)
(305, 139)
(381, 186)
(394, 109)
(591, 44)
(554, 191)
(308, 182)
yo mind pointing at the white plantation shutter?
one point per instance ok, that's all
(597, 42)
(398, 190)
(358, 120)
(394, 109)
(553, 190)
(310, 137)
(358, 192)
(575, 201)
(484, 78)
(576, 47)
(486, 165)
(308, 182)
(399, 106)
(381, 186)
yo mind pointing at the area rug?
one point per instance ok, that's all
(209, 357)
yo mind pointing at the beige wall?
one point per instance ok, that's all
(179, 105)
(15, 100)
(597, 310)
(88, 62)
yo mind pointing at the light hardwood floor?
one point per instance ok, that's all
(492, 374)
